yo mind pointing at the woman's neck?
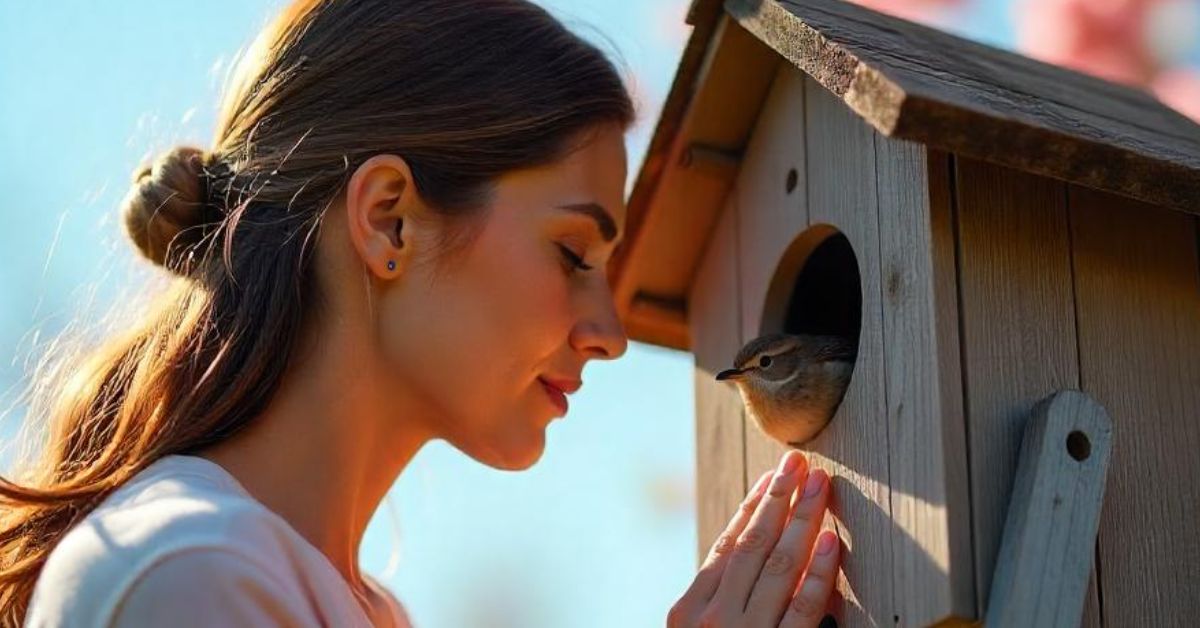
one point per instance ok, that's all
(323, 454)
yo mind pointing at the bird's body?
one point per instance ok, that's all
(792, 383)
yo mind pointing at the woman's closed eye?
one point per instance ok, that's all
(574, 260)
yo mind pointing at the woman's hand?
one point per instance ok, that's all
(751, 573)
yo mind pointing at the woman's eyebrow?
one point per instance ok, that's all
(604, 220)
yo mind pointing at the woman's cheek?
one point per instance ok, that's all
(542, 300)
(554, 298)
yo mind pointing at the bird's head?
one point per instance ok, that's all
(776, 357)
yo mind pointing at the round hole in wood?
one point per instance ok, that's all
(1078, 445)
(816, 287)
(792, 178)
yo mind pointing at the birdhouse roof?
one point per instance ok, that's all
(907, 81)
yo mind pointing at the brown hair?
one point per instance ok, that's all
(464, 90)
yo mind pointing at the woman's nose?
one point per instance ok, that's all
(601, 335)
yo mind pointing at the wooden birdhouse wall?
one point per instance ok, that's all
(900, 468)
(1063, 286)
(983, 289)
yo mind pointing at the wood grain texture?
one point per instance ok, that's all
(662, 247)
(914, 82)
(1018, 329)
(840, 158)
(714, 328)
(931, 508)
(1049, 538)
(770, 218)
(662, 146)
(1137, 285)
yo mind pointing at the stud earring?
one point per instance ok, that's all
(391, 264)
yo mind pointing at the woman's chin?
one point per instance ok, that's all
(523, 458)
(518, 464)
(516, 452)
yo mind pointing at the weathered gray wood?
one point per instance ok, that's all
(1137, 285)
(770, 218)
(931, 508)
(1049, 538)
(853, 447)
(714, 328)
(1018, 327)
(914, 82)
(770, 215)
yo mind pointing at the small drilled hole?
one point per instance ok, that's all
(828, 622)
(1078, 445)
(791, 180)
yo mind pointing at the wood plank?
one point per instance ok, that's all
(853, 447)
(1137, 283)
(658, 321)
(663, 143)
(662, 247)
(914, 82)
(770, 216)
(931, 507)
(714, 328)
(1018, 329)
(1049, 540)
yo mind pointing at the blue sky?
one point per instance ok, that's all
(600, 532)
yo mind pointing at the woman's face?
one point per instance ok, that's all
(472, 342)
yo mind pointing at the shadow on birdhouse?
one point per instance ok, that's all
(816, 289)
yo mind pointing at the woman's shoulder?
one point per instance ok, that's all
(179, 516)
(178, 501)
(210, 586)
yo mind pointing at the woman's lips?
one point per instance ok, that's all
(556, 396)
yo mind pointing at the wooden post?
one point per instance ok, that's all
(1049, 534)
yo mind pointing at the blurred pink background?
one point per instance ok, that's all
(1149, 44)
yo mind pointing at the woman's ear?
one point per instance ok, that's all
(381, 202)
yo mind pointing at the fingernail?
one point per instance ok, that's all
(826, 542)
(789, 463)
(815, 480)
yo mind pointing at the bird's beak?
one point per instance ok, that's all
(730, 374)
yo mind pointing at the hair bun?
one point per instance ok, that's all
(166, 205)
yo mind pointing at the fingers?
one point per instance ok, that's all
(808, 605)
(759, 538)
(750, 575)
(709, 576)
(787, 560)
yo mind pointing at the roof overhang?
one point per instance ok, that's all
(906, 80)
(693, 156)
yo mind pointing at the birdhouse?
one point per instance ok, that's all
(988, 229)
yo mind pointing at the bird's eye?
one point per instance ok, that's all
(764, 361)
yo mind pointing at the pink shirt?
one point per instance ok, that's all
(183, 544)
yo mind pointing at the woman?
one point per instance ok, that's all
(400, 234)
